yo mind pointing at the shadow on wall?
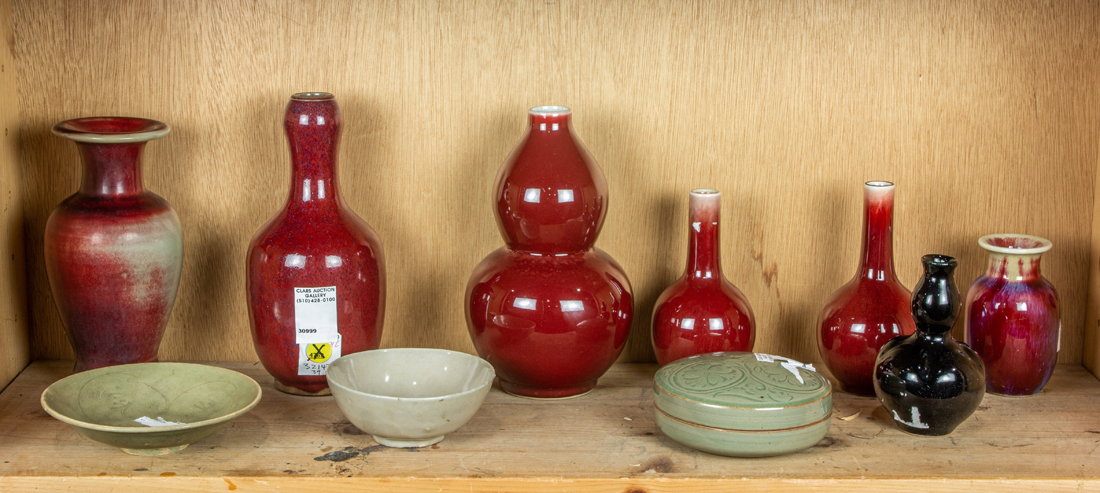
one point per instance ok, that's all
(472, 207)
(56, 176)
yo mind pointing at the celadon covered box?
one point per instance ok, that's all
(742, 404)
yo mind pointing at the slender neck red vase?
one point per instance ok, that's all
(549, 311)
(113, 250)
(702, 312)
(1013, 317)
(316, 272)
(873, 307)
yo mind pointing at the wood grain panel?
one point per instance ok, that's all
(605, 441)
(986, 114)
(14, 336)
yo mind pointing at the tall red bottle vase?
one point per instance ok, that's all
(113, 250)
(702, 312)
(549, 311)
(873, 307)
(1012, 316)
(316, 273)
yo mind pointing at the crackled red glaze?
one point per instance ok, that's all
(549, 311)
(113, 250)
(702, 312)
(873, 307)
(315, 241)
(1012, 316)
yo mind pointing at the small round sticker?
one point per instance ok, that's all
(319, 352)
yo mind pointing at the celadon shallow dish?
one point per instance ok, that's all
(409, 397)
(151, 408)
(742, 404)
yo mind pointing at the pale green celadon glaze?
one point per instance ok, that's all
(742, 404)
(103, 404)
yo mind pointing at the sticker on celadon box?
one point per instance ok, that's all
(315, 315)
(314, 358)
(787, 363)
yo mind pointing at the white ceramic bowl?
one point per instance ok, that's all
(409, 397)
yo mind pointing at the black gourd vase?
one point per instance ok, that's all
(929, 382)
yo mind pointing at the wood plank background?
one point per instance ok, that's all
(14, 335)
(986, 114)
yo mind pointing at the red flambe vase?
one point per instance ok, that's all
(114, 250)
(316, 273)
(1012, 316)
(548, 311)
(702, 312)
(873, 307)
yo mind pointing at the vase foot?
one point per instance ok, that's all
(281, 387)
(546, 394)
(400, 443)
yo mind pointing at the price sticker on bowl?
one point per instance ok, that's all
(315, 315)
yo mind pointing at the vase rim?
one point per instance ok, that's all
(1015, 244)
(550, 110)
(313, 96)
(111, 129)
(705, 192)
(879, 184)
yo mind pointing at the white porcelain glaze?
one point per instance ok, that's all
(409, 397)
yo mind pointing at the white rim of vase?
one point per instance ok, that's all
(879, 184)
(160, 129)
(550, 110)
(1044, 244)
(705, 192)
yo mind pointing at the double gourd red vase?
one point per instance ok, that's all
(549, 311)
(702, 312)
(316, 273)
(861, 316)
(113, 250)
(1012, 316)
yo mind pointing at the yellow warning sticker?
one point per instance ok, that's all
(319, 352)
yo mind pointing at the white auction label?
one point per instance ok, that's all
(314, 358)
(315, 315)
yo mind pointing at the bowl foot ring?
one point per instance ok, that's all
(399, 443)
(150, 452)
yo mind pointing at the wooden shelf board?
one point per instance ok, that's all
(605, 441)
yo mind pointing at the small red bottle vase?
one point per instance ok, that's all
(548, 311)
(702, 312)
(113, 250)
(873, 307)
(1012, 316)
(316, 273)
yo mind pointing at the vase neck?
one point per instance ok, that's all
(111, 170)
(1014, 268)
(313, 122)
(877, 255)
(704, 243)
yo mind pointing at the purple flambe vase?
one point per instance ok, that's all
(1012, 316)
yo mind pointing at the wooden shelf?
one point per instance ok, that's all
(605, 441)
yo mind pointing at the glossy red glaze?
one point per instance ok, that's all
(1013, 318)
(315, 241)
(113, 250)
(702, 312)
(549, 312)
(873, 307)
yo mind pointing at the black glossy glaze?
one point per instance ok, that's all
(927, 381)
